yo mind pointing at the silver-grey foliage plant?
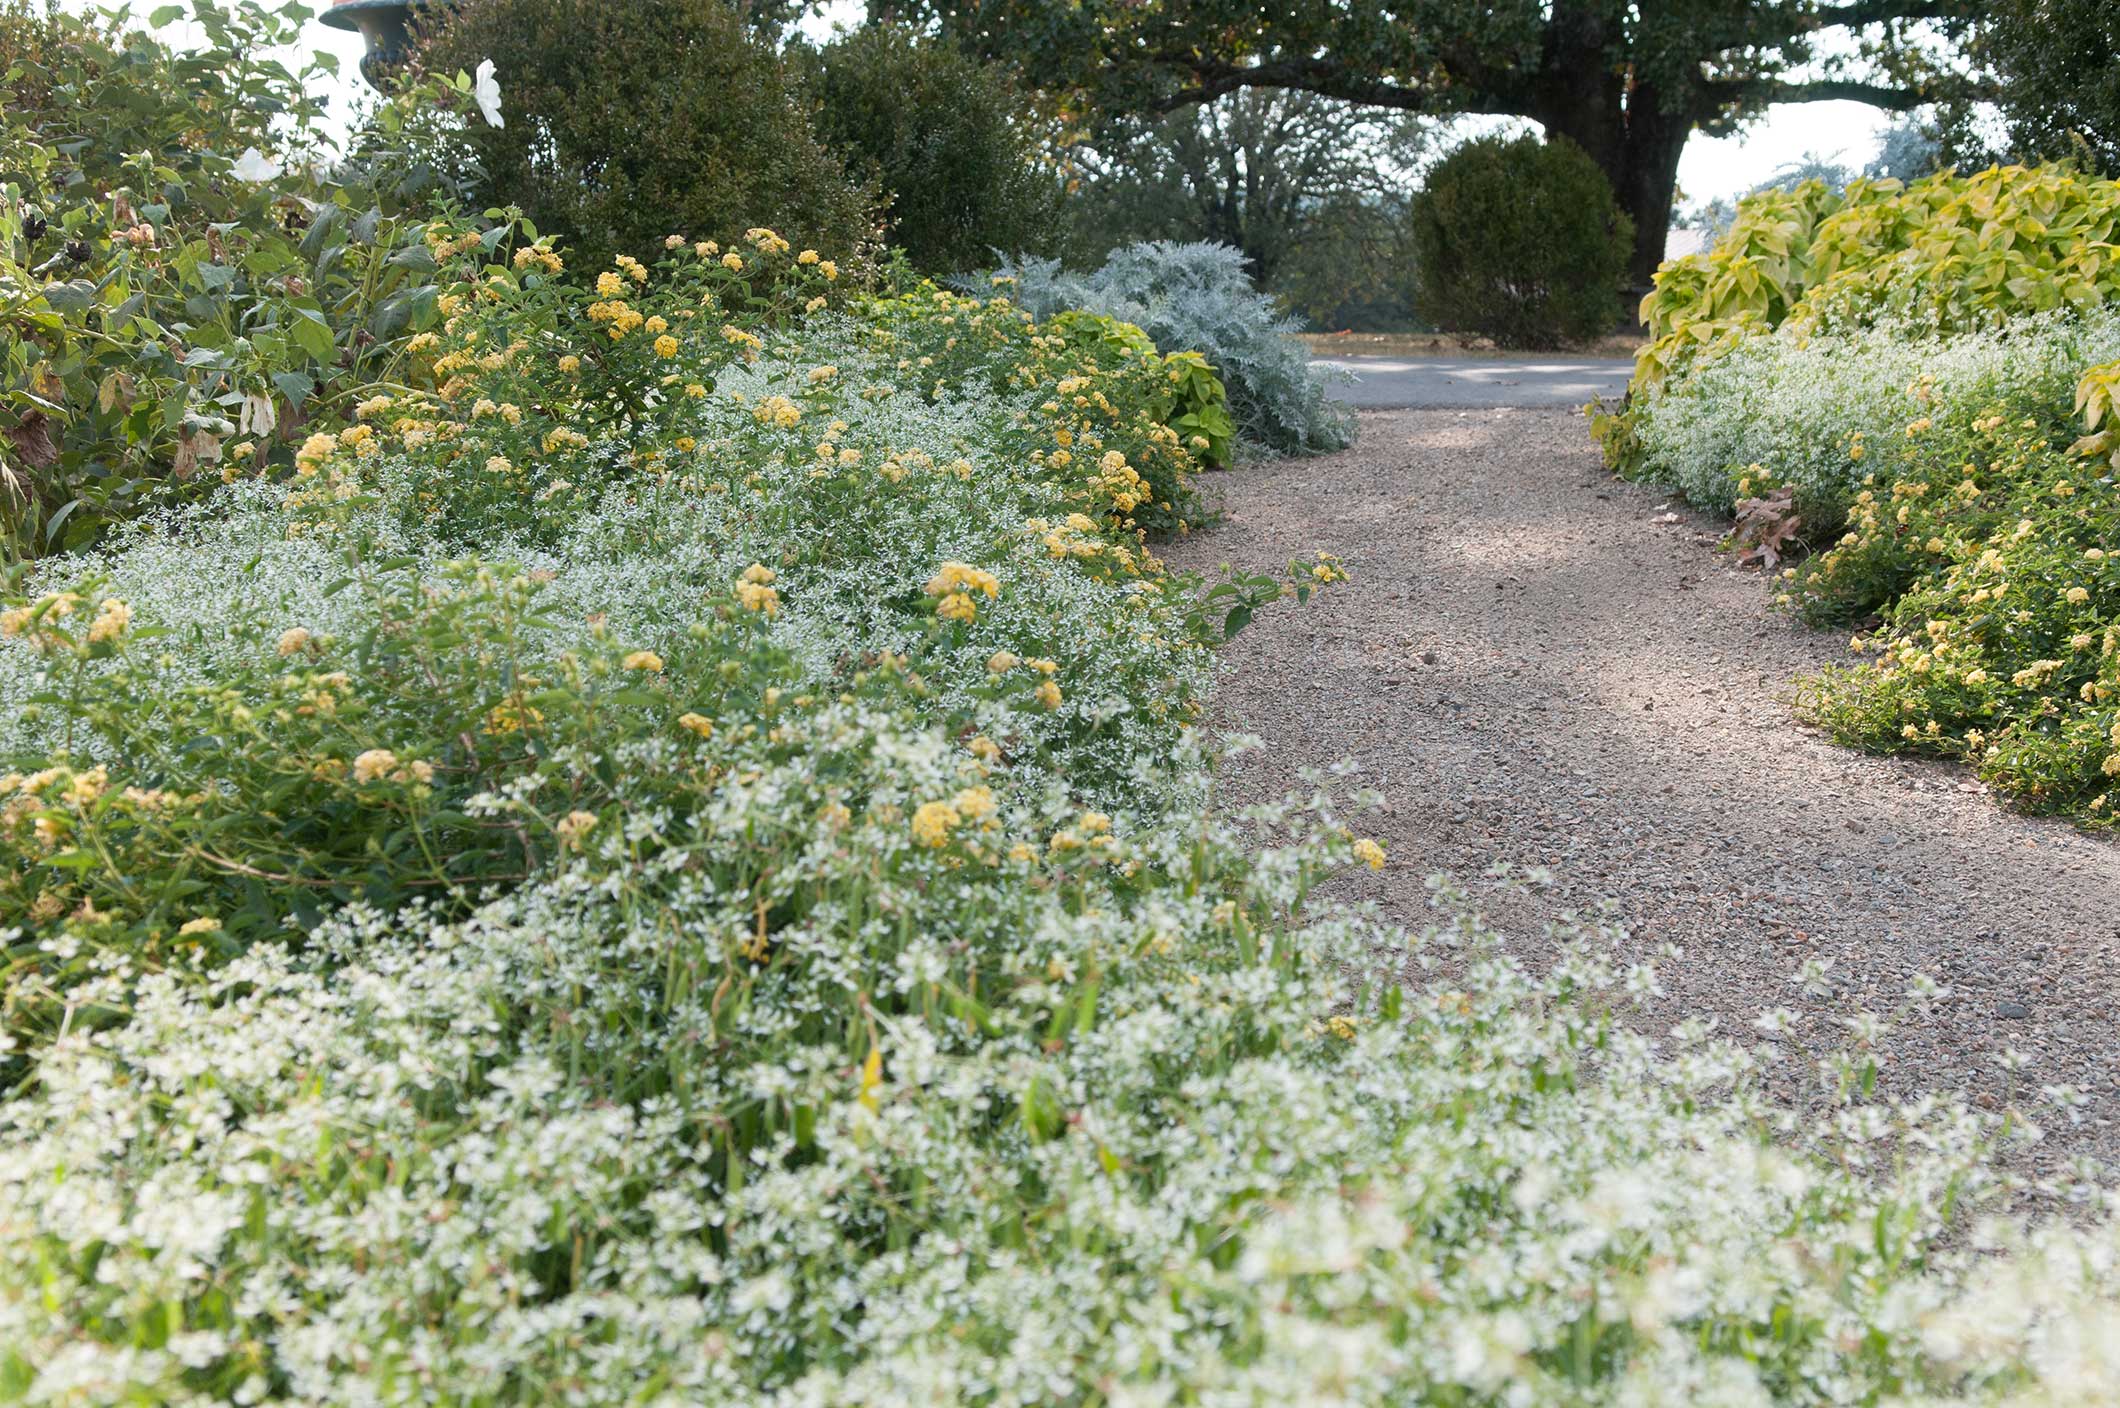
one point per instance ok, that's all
(1198, 296)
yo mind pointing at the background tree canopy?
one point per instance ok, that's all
(1627, 83)
(1250, 170)
(2058, 66)
(628, 122)
(962, 158)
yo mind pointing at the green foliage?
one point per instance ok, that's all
(1918, 379)
(2057, 65)
(1629, 84)
(957, 152)
(1354, 268)
(1948, 252)
(174, 269)
(1198, 402)
(630, 120)
(1995, 556)
(1263, 171)
(1198, 297)
(318, 764)
(668, 861)
(1100, 372)
(1519, 240)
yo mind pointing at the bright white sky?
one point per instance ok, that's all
(1842, 132)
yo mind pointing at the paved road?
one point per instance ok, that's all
(1390, 383)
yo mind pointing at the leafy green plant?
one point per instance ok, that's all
(1519, 240)
(1197, 297)
(1948, 253)
(960, 155)
(176, 271)
(1990, 554)
(630, 120)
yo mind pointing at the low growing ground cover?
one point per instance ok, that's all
(1916, 384)
(670, 862)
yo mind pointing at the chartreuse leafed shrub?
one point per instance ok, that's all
(1198, 298)
(668, 862)
(1520, 239)
(1914, 379)
(1947, 253)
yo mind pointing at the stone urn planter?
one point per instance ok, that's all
(386, 26)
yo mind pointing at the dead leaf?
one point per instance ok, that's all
(1768, 527)
(258, 416)
(116, 393)
(32, 439)
(194, 448)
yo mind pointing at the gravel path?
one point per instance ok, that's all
(1538, 664)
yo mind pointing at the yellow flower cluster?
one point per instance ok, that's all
(934, 824)
(955, 584)
(113, 619)
(620, 316)
(381, 764)
(756, 591)
(315, 453)
(778, 411)
(539, 256)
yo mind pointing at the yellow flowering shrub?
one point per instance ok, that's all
(1993, 555)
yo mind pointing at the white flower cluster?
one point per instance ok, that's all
(1818, 409)
(400, 1173)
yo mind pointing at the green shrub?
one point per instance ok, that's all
(954, 149)
(1520, 240)
(1959, 492)
(1992, 549)
(626, 121)
(174, 268)
(1944, 254)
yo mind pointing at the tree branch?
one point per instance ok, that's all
(1821, 90)
(1862, 13)
(1329, 78)
(1756, 32)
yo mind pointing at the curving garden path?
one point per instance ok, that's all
(1538, 664)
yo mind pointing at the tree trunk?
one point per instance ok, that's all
(1634, 141)
(1645, 183)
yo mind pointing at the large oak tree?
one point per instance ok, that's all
(1627, 80)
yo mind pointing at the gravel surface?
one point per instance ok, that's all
(1538, 664)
